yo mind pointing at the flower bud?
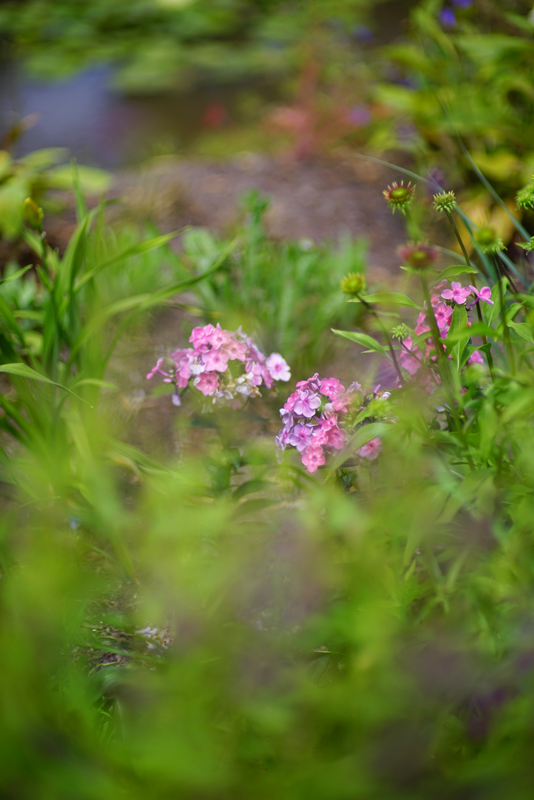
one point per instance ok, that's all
(488, 241)
(33, 214)
(528, 246)
(525, 196)
(418, 255)
(353, 283)
(445, 201)
(399, 196)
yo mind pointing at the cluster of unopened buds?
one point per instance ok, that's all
(206, 366)
(313, 417)
(443, 302)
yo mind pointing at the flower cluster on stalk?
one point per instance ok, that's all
(314, 417)
(412, 357)
(206, 366)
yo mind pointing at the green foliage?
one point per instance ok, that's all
(474, 81)
(286, 295)
(35, 175)
(166, 44)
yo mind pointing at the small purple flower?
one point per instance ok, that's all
(462, 3)
(301, 436)
(307, 403)
(447, 18)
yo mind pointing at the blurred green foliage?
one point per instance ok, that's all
(473, 80)
(168, 44)
(286, 295)
(36, 175)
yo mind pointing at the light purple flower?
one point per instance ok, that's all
(301, 436)
(458, 293)
(307, 403)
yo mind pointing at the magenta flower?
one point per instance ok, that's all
(313, 457)
(458, 293)
(277, 367)
(207, 383)
(410, 363)
(475, 358)
(443, 314)
(215, 360)
(484, 294)
(313, 383)
(331, 388)
(156, 369)
(371, 450)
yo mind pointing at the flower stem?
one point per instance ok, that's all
(387, 337)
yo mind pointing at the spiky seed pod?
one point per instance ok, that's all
(399, 196)
(525, 196)
(353, 283)
(528, 246)
(445, 201)
(488, 241)
(400, 332)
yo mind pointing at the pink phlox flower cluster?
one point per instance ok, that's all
(413, 356)
(206, 366)
(312, 417)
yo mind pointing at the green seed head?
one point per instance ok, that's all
(528, 246)
(400, 332)
(488, 241)
(353, 283)
(525, 196)
(445, 201)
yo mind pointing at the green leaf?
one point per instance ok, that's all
(249, 487)
(24, 371)
(16, 275)
(477, 329)
(363, 339)
(133, 250)
(522, 329)
(455, 270)
(391, 298)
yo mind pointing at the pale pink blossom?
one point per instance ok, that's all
(207, 383)
(371, 450)
(219, 338)
(313, 457)
(458, 293)
(200, 337)
(215, 360)
(277, 367)
(409, 362)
